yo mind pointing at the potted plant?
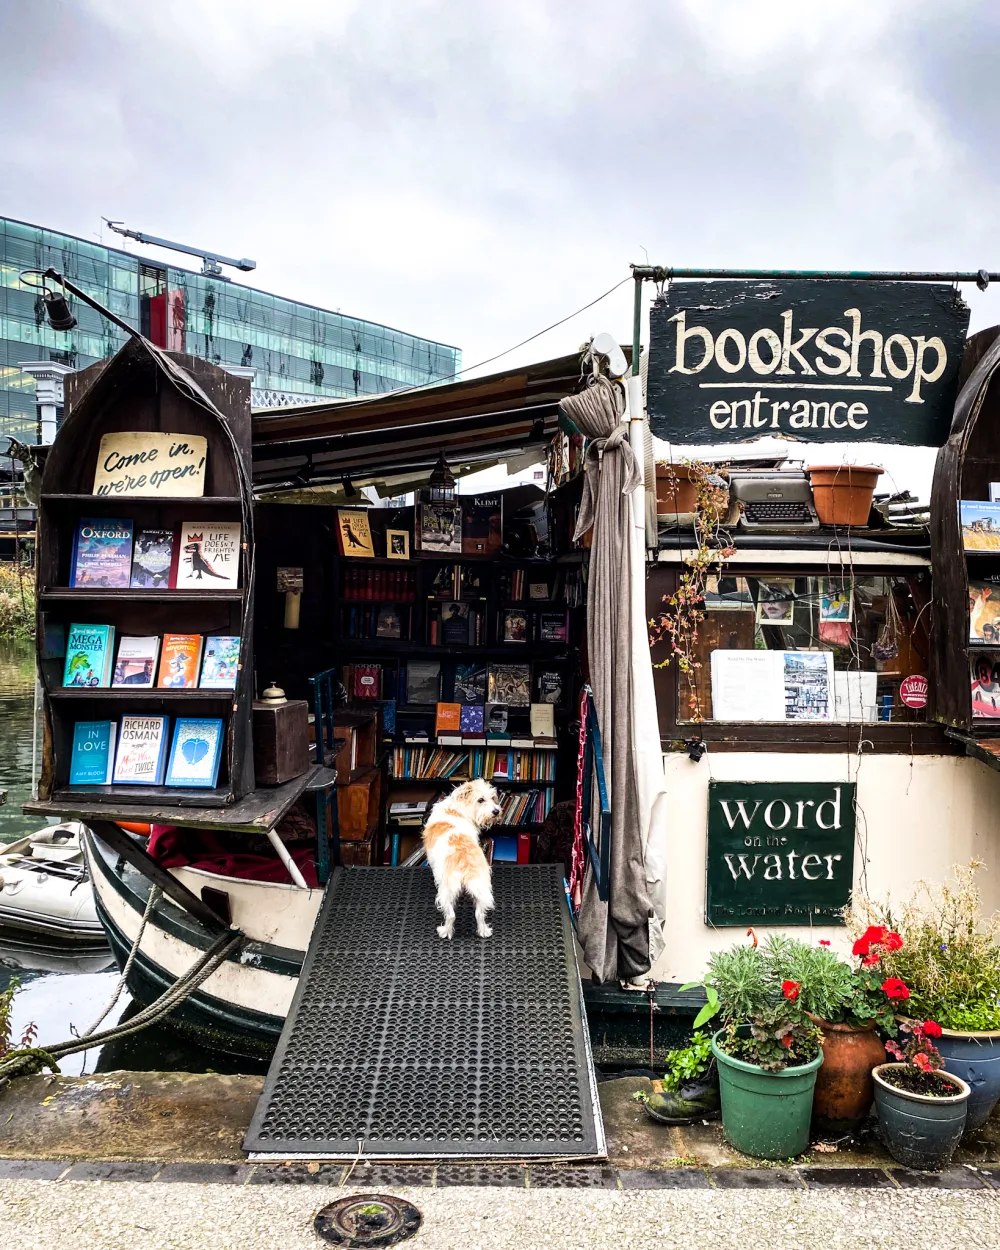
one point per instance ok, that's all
(949, 958)
(846, 1002)
(921, 1109)
(843, 493)
(768, 1052)
(689, 1090)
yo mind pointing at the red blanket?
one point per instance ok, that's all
(198, 848)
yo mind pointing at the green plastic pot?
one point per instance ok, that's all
(765, 1114)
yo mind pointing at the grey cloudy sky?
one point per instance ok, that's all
(474, 171)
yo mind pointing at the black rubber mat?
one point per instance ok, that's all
(399, 1044)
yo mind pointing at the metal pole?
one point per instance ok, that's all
(75, 290)
(657, 273)
(636, 322)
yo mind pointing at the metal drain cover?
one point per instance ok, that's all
(367, 1220)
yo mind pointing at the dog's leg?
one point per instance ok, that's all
(482, 892)
(446, 906)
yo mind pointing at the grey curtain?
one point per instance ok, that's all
(614, 935)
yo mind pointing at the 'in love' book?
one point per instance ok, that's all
(92, 760)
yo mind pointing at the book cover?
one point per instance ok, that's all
(93, 756)
(440, 527)
(496, 726)
(367, 681)
(152, 560)
(102, 553)
(220, 663)
(388, 624)
(354, 534)
(180, 662)
(448, 718)
(543, 720)
(550, 686)
(985, 677)
(89, 649)
(980, 524)
(984, 612)
(389, 717)
(208, 555)
(472, 718)
(454, 623)
(553, 626)
(510, 684)
(482, 524)
(423, 681)
(470, 683)
(141, 753)
(195, 753)
(515, 626)
(136, 663)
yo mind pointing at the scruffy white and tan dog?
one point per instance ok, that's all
(451, 840)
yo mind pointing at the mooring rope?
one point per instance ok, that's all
(154, 894)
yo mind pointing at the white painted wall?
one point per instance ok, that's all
(917, 815)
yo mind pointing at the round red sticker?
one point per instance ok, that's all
(913, 690)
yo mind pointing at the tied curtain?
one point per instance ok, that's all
(622, 937)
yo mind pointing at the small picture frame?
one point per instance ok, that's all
(776, 601)
(836, 599)
(397, 544)
(538, 590)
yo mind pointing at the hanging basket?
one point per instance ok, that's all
(843, 493)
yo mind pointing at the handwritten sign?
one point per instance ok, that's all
(146, 464)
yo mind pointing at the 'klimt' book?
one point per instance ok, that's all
(142, 751)
(93, 757)
(136, 664)
(152, 558)
(221, 662)
(482, 525)
(180, 661)
(89, 651)
(195, 753)
(208, 555)
(102, 553)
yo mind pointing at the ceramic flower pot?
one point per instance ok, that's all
(844, 1086)
(676, 491)
(920, 1130)
(975, 1057)
(765, 1114)
(842, 493)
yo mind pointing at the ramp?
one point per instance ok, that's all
(401, 1045)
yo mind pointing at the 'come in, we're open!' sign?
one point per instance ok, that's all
(779, 852)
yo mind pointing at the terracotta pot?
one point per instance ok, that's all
(843, 493)
(844, 1086)
(676, 491)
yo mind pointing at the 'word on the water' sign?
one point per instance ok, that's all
(821, 361)
(147, 464)
(779, 853)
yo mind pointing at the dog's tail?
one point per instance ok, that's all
(480, 890)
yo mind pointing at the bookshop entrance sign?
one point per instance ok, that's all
(821, 361)
(779, 853)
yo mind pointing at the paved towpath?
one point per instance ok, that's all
(105, 1215)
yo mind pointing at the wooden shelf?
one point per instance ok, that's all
(140, 692)
(196, 501)
(107, 594)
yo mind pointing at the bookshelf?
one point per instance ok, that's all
(135, 392)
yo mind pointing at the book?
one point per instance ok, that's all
(141, 754)
(153, 559)
(136, 663)
(220, 663)
(510, 684)
(195, 753)
(440, 527)
(455, 624)
(93, 757)
(482, 524)
(980, 524)
(180, 662)
(514, 626)
(423, 681)
(984, 672)
(367, 681)
(388, 717)
(538, 590)
(470, 683)
(89, 649)
(550, 686)
(984, 612)
(207, 555)
(388, 624)
(496, 726)
(448, 718)
(102, 553)
(354, 534)
(543, 720)
(472, 718)
(553, 626)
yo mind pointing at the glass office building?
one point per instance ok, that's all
(297, 352)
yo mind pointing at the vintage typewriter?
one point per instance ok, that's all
(772, 501)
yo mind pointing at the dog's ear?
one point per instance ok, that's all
(462, 793)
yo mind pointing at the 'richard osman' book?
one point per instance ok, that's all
(89, 651)
(102, 553)
(142, 751)
(93, 757)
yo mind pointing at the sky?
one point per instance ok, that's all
(475, 172)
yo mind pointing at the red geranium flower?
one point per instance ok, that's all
(861, 947)
(922, 1061)
(892, 942)
(790, 989)
(870, 961)
(895, 988)
(824, 941)
(875, 935)
(932, 1028)
(787, 1040)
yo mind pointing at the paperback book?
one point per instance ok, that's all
(141, 755)
(510, 684)
(136, 664)
(448, 718)
(985, 677)
(440, 527)
(89, 651)
(367, 681)
(553, 626)
(470, 683)
(482, 525)
(207, 555)
(102, 553)
(423, 681)
(221, 662)
(195, 753)
(180, 662)
(472, 718)
(550, 686)
(980, 524)
(152, 559)
(984, 612)
(93, 757)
